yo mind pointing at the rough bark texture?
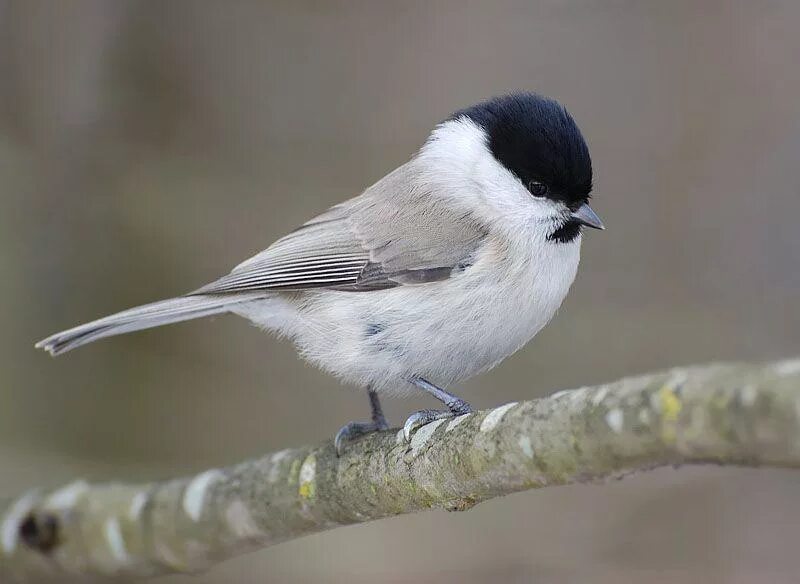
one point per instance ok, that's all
(724, 414)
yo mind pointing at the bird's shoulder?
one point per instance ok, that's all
(396, 232)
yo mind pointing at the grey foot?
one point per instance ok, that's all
(455, 407)
(354, 430)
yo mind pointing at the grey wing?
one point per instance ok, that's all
(391, 235)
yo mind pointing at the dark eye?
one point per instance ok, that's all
(538, 189)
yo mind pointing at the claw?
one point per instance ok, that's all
(414, 422)
(423, 417)
(352, 431)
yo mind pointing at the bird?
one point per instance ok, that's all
(434, 274)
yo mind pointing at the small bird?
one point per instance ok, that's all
(437, 272)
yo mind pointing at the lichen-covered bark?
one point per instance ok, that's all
(726, 414)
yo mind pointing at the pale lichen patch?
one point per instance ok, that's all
(561, 393)
(400, 437)
(455, 422)
(195, 493)
(66, 497)
(599, 396)
(576, 395)
(678, 379)
(525, 445)
(240, 521)
(785, 368)
(9, 529)
(615, 418)
(275, 465)
(138, 502)
(308, 473)
(493, 418)
(420, 437)
(116, 543)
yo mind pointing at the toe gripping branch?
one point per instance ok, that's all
(354, 430)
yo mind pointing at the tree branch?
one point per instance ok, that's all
(724, 414)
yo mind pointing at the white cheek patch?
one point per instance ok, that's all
(464, 171)
(545, 209)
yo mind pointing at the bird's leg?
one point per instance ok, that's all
(353, 430)
(455, 407)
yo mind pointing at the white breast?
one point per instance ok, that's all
(444, 331)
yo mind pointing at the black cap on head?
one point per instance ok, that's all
(536, 139)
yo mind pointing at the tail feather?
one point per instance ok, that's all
(142, 317)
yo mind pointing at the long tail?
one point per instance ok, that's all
(142, 317)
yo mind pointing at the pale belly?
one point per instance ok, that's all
(445, 331)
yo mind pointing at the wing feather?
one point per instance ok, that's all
(393, 234)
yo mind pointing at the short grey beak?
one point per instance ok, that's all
(586, 216)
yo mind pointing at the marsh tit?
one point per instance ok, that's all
(437, 272)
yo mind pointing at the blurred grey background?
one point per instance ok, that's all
(147, 147)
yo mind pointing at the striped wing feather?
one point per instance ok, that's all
(391, 235)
